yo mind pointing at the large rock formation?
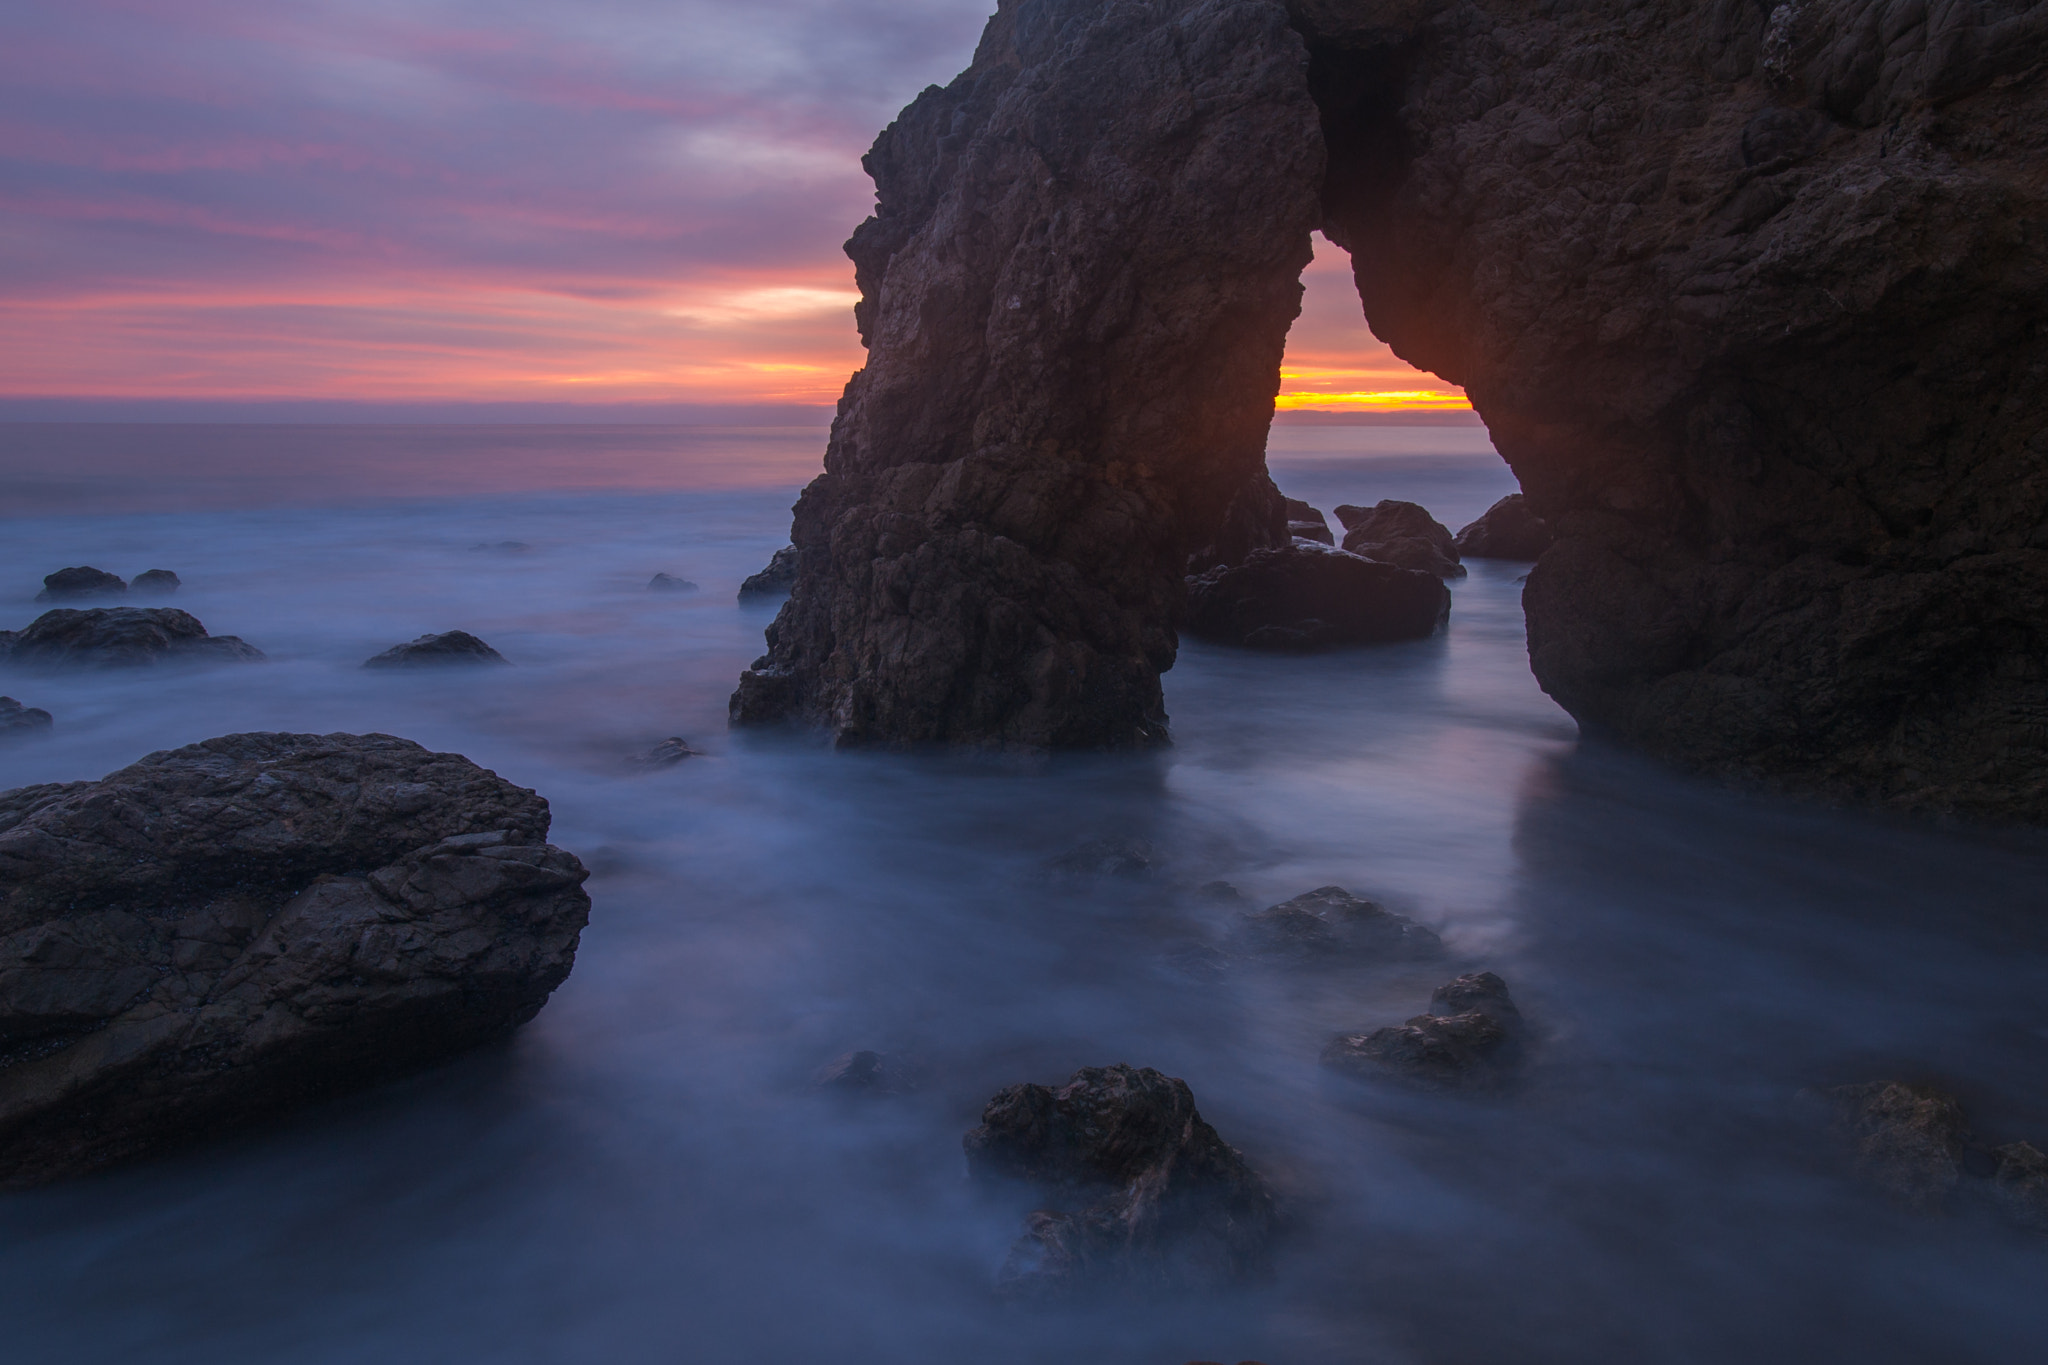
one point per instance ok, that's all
(248, 923)
(1753, 298)
(1075, 291)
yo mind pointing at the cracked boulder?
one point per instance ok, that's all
(254, 922)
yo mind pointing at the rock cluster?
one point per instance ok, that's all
(1330, 924)
(1506, 530)
(1075, 292)
(1141, 1192)
(255, 921)
(118, 637)
(452, 647)
(1916, 1144)
(1468, 1039)
(1302, 596)
(17, 720)
(1402, 533)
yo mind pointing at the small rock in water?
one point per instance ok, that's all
(662, 582)
(120, 637)
(1329, 924)
(1467, 1039)
(1306, 523)
(1910, 1140)
(155, 582)
(1506, 530)
(1112, 857)
(83, 581)
(457, 647)
(862, 1073)
(17, 720)
(1304, 597)
(1403, 533)
(1140, 1191)
(1221, 893)
(778, 578)
(669, 752)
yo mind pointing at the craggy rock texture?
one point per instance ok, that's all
(1330, 924)
(457, 647)
(1403, 533)
(1754, 299)
(118, 637)
(1303, 596)
(17, 720)
(1142, 1192)
(257, 921)
(1506, 530)
(1075, 293)
(1467, 1040)
(83, 581)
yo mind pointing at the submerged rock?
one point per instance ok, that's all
(17, 720)
(121, 637)
(83, 581)
(2019, 1184)
(1140, 1191)
(775, 580)
(1303, 597)
(1330, 924)
(863, 1073)
(1468, 1039)
(255, 922)
(1403, 533)
(1506, 530)
(1306, 523)
(457, 647)
(1114, 856)
(662, 582)
(1910, 1140)
(668, 753)
(155, 583)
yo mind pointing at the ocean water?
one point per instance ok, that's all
(645, 1174)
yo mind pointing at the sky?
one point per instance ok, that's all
(559, 201)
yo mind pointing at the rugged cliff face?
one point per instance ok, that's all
(1755, 302)
(1075, 292)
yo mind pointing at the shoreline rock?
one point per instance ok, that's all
(253, 923)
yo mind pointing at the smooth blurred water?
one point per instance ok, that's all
(645, 1175)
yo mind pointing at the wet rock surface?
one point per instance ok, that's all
(1506, 530)
(1402, 533)
(155, 583)
(119, 637)
(1075, 293)
(84, 581)
(450, 648)
(254, 922)
(775, 579)
(17, 720)
(1468, 1040)
(1331, 925)
(1141, 1192)
(1304, 597)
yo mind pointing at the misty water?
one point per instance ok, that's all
(646, 1174)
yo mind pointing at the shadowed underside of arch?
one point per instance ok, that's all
(1753, 299)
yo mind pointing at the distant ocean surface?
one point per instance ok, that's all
(644, 1174)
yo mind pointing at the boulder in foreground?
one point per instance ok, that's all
(1140, 1191)
(83, 581)
(256, 921)
(456, 647)
(1506, 530)
(119, 637)
(1303, 597)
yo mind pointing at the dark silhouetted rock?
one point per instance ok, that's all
(155, 583)
(1468, 1040)
(17, 720)
(1402, 533)
(1911, 1141)
(1140, 1191)
(775, 580)
(1115, 856)
(1305, 597)
(863, 1073)
(1330, 924)
(80, 582)
(662, 582)
(2019, 1184)
(457, 647)
(121, 637)
(1075, 293)
(1506, 530)
(668, 753)
(254, 922)
(1306, 523)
